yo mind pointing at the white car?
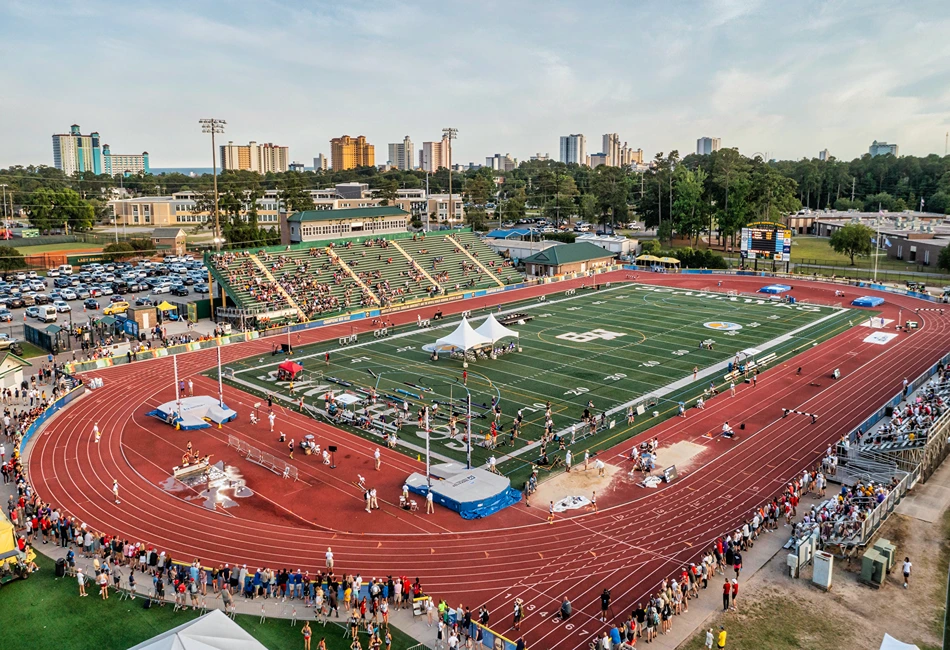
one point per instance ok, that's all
(52, 273)
(62, 306)
(162, 288)
(68, 294)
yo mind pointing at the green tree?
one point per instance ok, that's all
(10, 259)
(388, 191)
(611, 186)
(843, 204)
(853, 239)
(63, 208)
(943, 261)
(119, 250)
(938, 202)
(688, 205)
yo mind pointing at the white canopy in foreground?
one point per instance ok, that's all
(213, 631)
(463, 338)
(890, 643)
(494, 330)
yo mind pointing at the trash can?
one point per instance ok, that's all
(61, 568)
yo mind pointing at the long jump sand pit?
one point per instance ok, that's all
(617, 476)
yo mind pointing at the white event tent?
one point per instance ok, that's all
(463, 338)
(494, 330)
(213, 631)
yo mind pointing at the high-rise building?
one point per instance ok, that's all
(595, 160)
(434, 155)
(612, 149)
(574, 149)
(824, 154)
(540, 156)
(878, 149)
(350, 153)
(630, 156)
(401, 154)
(74, 152)
(260, 158)
(501, 163)
(320, 163)
(125, 164)
(705, 146)
(296, 166)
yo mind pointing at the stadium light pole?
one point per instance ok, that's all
(214, 126)
(451, 134)
(5, 220)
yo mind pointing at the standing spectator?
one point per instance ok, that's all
(907, 566)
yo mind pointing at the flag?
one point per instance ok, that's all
(887, 242)
(873, 240)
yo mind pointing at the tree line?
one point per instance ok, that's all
(689, 197)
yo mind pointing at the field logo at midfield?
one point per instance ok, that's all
(587, 337)
(722, 326)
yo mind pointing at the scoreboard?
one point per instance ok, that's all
(767, 241)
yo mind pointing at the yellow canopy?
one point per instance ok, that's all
(648, 258)
(166, 306)
(669, 260)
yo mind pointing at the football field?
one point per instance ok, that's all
(630, 344)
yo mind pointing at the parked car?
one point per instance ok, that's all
(116, 308)
(62, 306)
(202, 288)
(90, 303)
(53, 273)
(6, 316)
(180, 291)
(116, 298)
(33, 312)
(144, 301)
(82, 292)
(162, 288)
(15, 302)
(68, 294)
(41, 299)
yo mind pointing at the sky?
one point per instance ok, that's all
(783, 79)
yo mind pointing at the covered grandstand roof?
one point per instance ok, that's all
(567, 254)
(351, 213)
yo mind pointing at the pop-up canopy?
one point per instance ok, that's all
(289, 369)
(464, 338)
(494, 330)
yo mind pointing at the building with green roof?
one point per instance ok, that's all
(319, 225)
(568, 258)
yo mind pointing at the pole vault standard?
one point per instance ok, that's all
(220, 384)
(177, 393)
(425, 415)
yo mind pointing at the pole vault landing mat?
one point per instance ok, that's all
(197, 412)
(473, 493)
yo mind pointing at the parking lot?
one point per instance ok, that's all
(75, 297)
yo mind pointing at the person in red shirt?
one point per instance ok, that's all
(725, 595)
(735, 594)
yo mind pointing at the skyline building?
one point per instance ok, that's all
(74, 152)
(350, 153)
(320, 163)
(401, 154)
(611, 149)
(706, 145)
(573, 149)
(824, 154)
(114, 163)
(882, 149)
(260, 158)
(434, 155)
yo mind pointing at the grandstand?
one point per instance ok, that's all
(307, 281)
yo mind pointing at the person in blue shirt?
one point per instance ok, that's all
(614, 636)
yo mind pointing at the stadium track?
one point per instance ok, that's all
(628, 547)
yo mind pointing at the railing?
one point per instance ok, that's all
(277, 465)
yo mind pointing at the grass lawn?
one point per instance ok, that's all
(30, 350)
(50, 614)
(58, 248)
(612, 347)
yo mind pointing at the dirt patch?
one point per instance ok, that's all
(577, 482)
(779, 612)
(682, 454)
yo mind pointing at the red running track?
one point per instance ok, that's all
(638, 538)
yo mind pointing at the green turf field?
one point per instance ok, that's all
(612, 347)
(50, 614)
